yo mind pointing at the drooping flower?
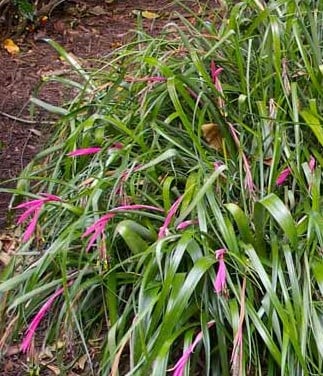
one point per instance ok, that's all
(184, 224)
(154, 79)
(97, 229)
(149, 79)
(117, 145)
(164, 228)
(84, 151)
(237, 354)
(217, 165)
(312, 163)
(120, 191)
(234, 134)
(215, 72)
(25, 345)
(248, 181)
(220, 282)
(283, 176)
(34, 207)
(178, 369)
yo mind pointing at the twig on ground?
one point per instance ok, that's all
(27, 121)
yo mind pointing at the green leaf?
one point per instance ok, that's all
(282, 215)
(242, 222)
(314, 123)
(133, 234)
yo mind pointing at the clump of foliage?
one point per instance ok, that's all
(152, 230)
(25, 8)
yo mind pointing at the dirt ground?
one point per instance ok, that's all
(88, 29)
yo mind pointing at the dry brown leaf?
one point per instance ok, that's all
(12, 350)
(97, 11)
(45, 354)
(11, 46)
(81, 362)
(54, 369)
(8, 245)
(4, 257)
(268, 161)
(9, 366)
(87, 181)
(212, 135)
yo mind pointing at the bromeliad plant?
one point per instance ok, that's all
(178, 212)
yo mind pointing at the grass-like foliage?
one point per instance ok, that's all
(175, 220)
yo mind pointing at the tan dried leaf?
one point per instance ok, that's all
(82, 362)
(54, 369)
(212, 135)
(97, 11)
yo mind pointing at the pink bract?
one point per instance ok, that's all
(283, 176)
(25, 345)
(84, 151)
(163, 230)
(221, 276)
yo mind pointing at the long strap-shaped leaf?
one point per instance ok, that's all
(282, 215)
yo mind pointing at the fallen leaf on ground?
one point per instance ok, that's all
(81, 362)
(149, 15)
(97, 11)
(54, 369)
(11, 46)
(146, 14)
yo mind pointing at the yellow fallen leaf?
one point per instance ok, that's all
(150, 15)
(11, 46)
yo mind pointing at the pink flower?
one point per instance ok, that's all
(248, 182)
(184, 224)
(215, 72)
(220, 280)
(180, 365)
(234, 134)
(149, 79)
(120, 187)
(84, 151)
(25, 345)
(217, 165)
(169, 217)
(34, 207)
(97, 229)
(312, 163)
(283, 176)
(156, 79)
(117, 145)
